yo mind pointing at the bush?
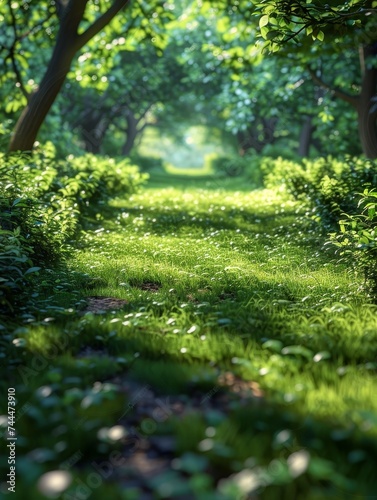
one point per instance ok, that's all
(357, 238)
(43, 203)
(147, 163)
(340, 193)
(15, 267)
(230, 166)
(327, 185)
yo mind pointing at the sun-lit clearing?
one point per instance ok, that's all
(221, 290)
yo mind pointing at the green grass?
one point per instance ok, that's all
(243, 284)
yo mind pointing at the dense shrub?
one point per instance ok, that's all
(327, 185)
(15, 266)
(341, 196)
(147, 163)
(230, 166)
(44, 201)
(280, 150)
(357, 237)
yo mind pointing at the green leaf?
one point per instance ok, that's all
(263, 21)
(32, 270)
(297, 350)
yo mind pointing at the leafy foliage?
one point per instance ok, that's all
(241, 288)
(43, 202)
(329, 185)
(280, 22)
(357, 237)
(332, 188)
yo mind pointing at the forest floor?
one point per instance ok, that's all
(200, 342)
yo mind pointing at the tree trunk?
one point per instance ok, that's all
(366, 119)
(131, 133)
(258, 136)
(41, 100)
(362, 102)
(93, 133)
(306, 137)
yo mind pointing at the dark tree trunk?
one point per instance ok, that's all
(68, 42)
(306, 137)
(93, 133)
(258, 136)
(40, 102)
(366, 118)
(132, 132)
(362, 102)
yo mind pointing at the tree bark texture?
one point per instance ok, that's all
(31, 119)
(132, 132)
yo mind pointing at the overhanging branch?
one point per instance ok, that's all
(351, 99)
(101, 22)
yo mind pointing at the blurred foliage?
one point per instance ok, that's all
(208, 60)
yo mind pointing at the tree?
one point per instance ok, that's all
(128, 105)
(68, 42)
(362, 102)
(264, 99)
(352, 24)
(78, 22)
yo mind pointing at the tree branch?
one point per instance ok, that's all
(101, 22)
(351, 99)
(12, 53)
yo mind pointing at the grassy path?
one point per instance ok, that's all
(242, 365)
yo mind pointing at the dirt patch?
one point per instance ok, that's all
(149, 286)
(243, 388)
(97, 304)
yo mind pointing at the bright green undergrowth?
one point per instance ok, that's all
(241, 282)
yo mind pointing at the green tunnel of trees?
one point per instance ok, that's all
(95, 75)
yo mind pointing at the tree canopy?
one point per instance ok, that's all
(262, 72)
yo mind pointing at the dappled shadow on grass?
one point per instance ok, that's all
(189, 405)
(161, 221)
(265, 316)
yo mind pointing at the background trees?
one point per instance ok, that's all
(266, 75)
(69, 26)
(344, 27)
